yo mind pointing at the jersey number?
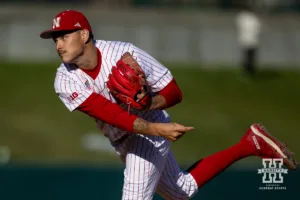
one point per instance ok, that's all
(74, 96)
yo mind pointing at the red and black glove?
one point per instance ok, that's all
(127, 83)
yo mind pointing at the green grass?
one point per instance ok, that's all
(220, 104)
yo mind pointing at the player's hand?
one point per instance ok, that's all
(172, 131)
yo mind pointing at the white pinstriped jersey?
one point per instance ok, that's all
(74, 86)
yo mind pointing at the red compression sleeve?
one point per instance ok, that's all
(171, 93)
(100, 108)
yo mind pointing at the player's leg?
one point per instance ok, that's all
(256, 142)
(175, 184)
(251, 61)
(244, 52)
(145, 160)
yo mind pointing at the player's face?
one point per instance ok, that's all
(69, 46)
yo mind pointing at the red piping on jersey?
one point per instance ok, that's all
(171, 93)
(101, 108)
(95, 71)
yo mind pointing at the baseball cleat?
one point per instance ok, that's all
(267, 146)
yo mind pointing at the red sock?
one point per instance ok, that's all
(211, 166)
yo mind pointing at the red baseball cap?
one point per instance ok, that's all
(67, 21)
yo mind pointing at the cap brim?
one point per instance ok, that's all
(47, 34)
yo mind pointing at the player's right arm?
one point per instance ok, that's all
(100, 108)
(170, 131)
(76, 96)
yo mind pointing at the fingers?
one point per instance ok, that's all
(140, 96)
(174, 139)
(142, 76)
(179, 131)
(181, 128)
(176, 136)
(184, 129)
(175, 131)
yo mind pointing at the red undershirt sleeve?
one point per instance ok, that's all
(100, 108)
(171, 93)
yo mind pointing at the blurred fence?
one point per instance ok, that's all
(267, 5)
(169, 35)
(77, 183)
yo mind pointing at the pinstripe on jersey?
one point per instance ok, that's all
(74, 86)
(150, 165)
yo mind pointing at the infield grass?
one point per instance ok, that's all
(220, 104)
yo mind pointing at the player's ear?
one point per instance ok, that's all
(85, 35)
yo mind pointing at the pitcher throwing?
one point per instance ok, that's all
(127, 91)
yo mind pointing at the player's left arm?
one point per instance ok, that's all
(159, 78)
(169, 96)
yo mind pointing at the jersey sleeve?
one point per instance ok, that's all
(71, 92)
(157, 75)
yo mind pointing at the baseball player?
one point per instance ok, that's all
(127, 91)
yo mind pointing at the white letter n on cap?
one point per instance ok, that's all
(56, 22)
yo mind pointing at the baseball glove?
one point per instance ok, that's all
(127, 83)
